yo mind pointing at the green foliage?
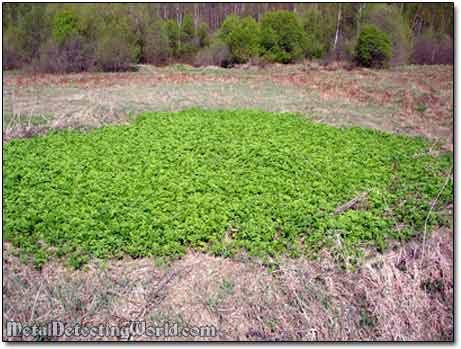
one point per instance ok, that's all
(174, 36)
(242, 35)
(390, 20)
(31, 28)
(202, 35)
(156, 45)
(218, 181)
(182, 37)
(187, 29)
(116, 47)
(77, 260)
(282, 36)
(373, 48)
(66, 25)
(319, 30)
(188, 42)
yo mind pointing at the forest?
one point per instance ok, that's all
(64, 38)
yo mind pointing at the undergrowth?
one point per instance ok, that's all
(217, 181)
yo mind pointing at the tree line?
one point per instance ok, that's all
(112, 37)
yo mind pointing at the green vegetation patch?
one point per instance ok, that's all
(219, 181)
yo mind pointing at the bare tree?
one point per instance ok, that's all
(338, 23)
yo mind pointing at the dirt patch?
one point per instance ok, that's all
(404, 295)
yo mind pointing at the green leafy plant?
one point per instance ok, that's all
(202, 35)
(390, 20)
(156, 45)
(373, 48)
(319, 31)
(217, 181)
(242, 35)
(282, 36)
(66, 25)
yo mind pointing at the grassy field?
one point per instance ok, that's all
(279, 203)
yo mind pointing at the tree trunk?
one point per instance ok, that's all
(338, 22)
(196, 15)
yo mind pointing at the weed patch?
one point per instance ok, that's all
(220, 181)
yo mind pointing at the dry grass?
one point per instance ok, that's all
(417, 100)
(393, 296)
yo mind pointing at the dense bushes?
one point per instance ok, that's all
(242, 36)
(62, 39)
(116, 47)
(71, 56)
(67, 51)
(66, 25)
(22, 40)
(279, 38)
(390, 20)
(68, 37)
(183, 39)
(319, 31)
(373, 48)
(203, 39)
(156, 47)
(115, 52)
(282, 37)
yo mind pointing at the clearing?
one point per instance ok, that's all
(198, 210)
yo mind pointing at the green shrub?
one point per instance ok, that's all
(187, 29)
(114, 53)
(156, 45)
(319, 30)
(174, 36)
(242, 35)
(30, 30)
(67, 50)
(182, 37)
(66, 25)
(373, 48)
(187, 38)
(116, 48)
(314, 48)
(390, 20)
(202, 35)
(282, 36)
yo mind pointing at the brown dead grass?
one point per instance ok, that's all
(96, 80)
(416, 100)
(423, 94)
(393, 296)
